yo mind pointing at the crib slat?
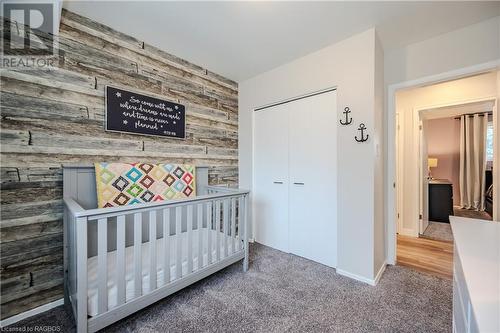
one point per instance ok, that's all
(178, 240)
(66, 247)
(102, 265)
(233, 224)
(189, 230)
(209, 233)
(217, 230)
(152, 250)
(200, 238)
(137, 254)
(120, 258)
(225, 226)
(239, 239)
(166, 246)
(81, 267)
(245, 232)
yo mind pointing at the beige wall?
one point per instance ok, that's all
(408, 102)
(469, 46)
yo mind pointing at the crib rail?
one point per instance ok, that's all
(183, 227)
(214, 192)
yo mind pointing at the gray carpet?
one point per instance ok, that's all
(283, 292)
(438, 231)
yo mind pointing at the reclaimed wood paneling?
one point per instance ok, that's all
(51, 118)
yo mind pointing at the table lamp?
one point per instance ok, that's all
(431, 163)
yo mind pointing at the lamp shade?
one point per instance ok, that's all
(432, 162)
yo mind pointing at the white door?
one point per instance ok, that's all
(399, 178)
(270, 195)
(313, 178)
(424, 181)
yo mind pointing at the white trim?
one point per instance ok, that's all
(461, 102)
(30, 313)
(391, 132)
(380, 272)
(356, 277)
(371, 282)
(291, 99)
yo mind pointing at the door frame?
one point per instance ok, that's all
(421, 160)
(423, 220)
(391, 194)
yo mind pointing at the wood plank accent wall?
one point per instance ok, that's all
(53, 118)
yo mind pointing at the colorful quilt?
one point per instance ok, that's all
(120, 184)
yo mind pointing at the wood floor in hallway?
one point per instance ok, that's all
(426, 255)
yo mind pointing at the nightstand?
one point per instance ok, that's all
(440, 200)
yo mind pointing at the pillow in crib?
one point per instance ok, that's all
(120, 184)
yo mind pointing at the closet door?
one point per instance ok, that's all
(313, 178)
(270, 196)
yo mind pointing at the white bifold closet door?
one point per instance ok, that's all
(295, 152)
(271, 177)
(313, 176)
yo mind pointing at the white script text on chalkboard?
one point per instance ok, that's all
(136, 113)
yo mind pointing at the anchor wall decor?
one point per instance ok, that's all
(362, 128)
(348, 120)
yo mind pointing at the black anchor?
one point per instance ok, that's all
(347, 120)
(361, 128)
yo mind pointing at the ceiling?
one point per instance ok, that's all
(242, 39)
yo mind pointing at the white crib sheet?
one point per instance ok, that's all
(129, 263)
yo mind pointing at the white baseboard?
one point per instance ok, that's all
(30, 313)
(356, 277)
(380, 272)
(371, 282)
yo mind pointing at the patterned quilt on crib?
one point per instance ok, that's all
(120, 184)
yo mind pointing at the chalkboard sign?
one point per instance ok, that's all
(130, 112)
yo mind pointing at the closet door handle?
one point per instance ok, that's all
(298, 183)
(278, 182)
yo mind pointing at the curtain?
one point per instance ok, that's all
(473, 130)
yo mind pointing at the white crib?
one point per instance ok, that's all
(119, 260)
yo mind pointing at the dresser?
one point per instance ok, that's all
(476, 275)
(440, 200)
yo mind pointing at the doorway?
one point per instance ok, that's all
(408, 215)
(444, 159)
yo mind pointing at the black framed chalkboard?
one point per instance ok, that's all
(131, 112)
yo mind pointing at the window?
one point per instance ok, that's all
(489, 142)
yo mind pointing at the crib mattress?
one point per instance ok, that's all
(92, 281)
